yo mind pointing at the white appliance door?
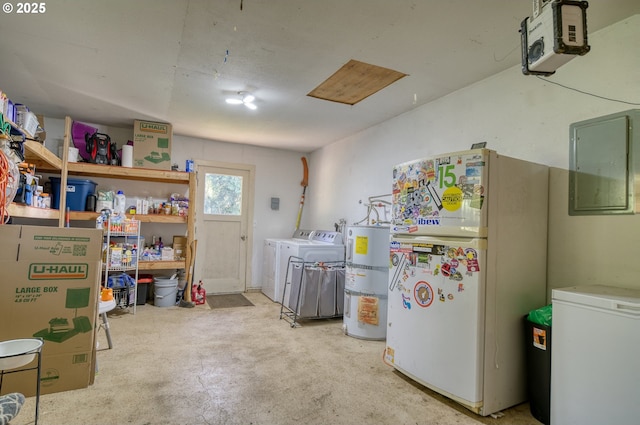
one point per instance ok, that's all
(435, 315)
(595, 367)
(269, 268)
(287, 250)
(444, 195)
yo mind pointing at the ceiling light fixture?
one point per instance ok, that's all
(245, 99)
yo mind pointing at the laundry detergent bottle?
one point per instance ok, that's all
(119, 203)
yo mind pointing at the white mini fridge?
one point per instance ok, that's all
(595, 356)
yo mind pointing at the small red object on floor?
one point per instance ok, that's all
(198, 294)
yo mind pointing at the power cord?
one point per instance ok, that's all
(587, 93)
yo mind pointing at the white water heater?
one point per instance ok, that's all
(366, 280)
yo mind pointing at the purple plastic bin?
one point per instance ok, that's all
(78, 130)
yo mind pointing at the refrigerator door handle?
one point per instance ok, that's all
(401, 261)
(633, 309)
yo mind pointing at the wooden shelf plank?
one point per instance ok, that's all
(160, 218)
(37, 154)
(151, 218)
(18, 210)
(117, 172)
(160, 265)
(83, 215)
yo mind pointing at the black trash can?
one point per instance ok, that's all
(143, 290)
(538, 363)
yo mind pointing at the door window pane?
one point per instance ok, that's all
(222, 194)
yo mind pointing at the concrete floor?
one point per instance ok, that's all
(245, 366)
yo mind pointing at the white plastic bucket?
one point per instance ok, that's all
(165, 290)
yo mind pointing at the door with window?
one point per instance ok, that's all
(222, 231)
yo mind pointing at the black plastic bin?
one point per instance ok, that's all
(141, 298)
(143, 288)
(538, 361)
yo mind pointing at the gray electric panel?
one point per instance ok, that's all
(604, 159)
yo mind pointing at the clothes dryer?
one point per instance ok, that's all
(272, 275)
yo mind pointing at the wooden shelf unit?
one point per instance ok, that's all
(36, 153)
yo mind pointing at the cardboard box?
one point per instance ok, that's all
(152, 145)
(142, 206)
(50, 290)
(180, 247)
(167, 254)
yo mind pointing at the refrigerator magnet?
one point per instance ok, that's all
(423, 294)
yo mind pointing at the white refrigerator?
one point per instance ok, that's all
(467, 262)
(595, 362)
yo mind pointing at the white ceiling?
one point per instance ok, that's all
(112, 61)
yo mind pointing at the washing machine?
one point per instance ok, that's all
(322, 246)
(272, 277)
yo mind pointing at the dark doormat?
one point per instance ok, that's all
(228, 300)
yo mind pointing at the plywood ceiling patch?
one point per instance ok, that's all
(354, 82)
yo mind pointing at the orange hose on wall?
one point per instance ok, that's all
(5, 178)
(9, 181)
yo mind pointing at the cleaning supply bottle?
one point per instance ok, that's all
(119, 203)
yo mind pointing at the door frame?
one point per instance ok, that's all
(251, 169)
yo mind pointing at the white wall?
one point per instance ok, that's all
(278, 174)
(589, 250)
(520, 116)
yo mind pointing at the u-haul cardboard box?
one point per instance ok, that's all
(49, 290)
(152, 145)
